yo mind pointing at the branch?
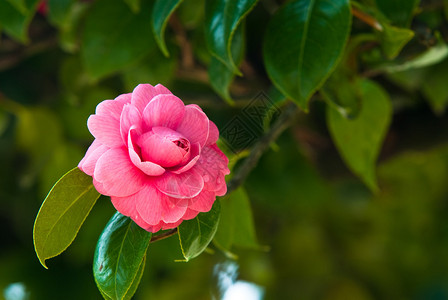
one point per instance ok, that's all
(368, 19)
(263, 144)
(163, 236)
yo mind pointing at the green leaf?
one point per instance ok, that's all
(220, 75)
(393, 39)
(343, 93)
(160, 16)
(435, 87)
(196, 234)
(109, 45)
(400, 12)
(359, 140)
(59, 11)
(303, 44)
(222, 18)
(237, 224)
(62, 214)
(134, 5)
(120, 257)
(15, 21)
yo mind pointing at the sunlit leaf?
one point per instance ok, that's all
(303, 44)
(359, 140)
(237, 224)
(160, 15)
(221, 76)
(120, 257)
(222, 18)
(109, 45)
(393, 39)
(399, 12)
(196, 234)
(62, 214)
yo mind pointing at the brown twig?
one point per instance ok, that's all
(185, 46)
(263, 144)
(368, 19)
(163, 235)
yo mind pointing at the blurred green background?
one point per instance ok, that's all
(328, 236)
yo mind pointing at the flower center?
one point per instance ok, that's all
(164, 147)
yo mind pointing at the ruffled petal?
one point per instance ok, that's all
(212, 165)
(87, 164)
(194, 125)
(147, 167)
(154, 206)
(130, 117)
(141, 96)
(106, 129)
(186, 185)
(164, 111)
(113, 108)
(202, 202)
(213, 134)
(117, 174)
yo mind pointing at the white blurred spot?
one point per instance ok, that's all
(16, 291)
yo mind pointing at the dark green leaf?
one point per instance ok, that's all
(119, 257)
(222, 18)
(435, 87)
(134, 5)
(160, 16)
(359, 140)
(237, 224)
(220, 75)
(343, 93)
(108, 45)
(393, 39)
(400, 12)
(304, 42)
(62, 214)
(196, 234)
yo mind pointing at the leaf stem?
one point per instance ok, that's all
(263, 144)
(368, 19)
(163, 236)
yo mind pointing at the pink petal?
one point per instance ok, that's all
(195, 152)
(142, 95)
(154, 206)
(87, 164)
(99, 187)
(213, 134)
(130, 116)
(202, 202)
(194, 125)
(125, 205)
(165, 111)
(160, 89)
(190, 214)
(158, 146)
(113, 108)
(106, 129)
(171, 225)
(117, 174)
(212, 165)
(147, 167)
(186, 185)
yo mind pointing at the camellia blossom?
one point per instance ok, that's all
(155, 157)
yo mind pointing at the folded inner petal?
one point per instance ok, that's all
(130, 117)
(194, 125)
(147, 167)
(164, 110)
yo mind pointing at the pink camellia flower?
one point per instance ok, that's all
(155, 157)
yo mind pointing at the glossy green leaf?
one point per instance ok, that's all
(222, 18)
(393, 39)
(399, 12)
(119, 257)
(108, 45)
(359, 140)
(237, 224)
(343, 93)
(134, 5)
(160, 15)
(196, 234)
(220, 75)
(62, 214)
(303, 44)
